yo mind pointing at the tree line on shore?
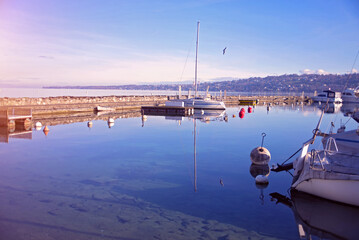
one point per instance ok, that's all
(282, 83)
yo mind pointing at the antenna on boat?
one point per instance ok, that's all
(195, 75)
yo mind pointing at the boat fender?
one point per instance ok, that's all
(260, 156)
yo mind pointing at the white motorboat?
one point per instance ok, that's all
(331, 173)
(328, 96)
(351, 95)
(197, 102)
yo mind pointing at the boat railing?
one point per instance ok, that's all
(315, 155)
(329, 146)
(320, 155)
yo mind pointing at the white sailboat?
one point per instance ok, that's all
(197, 102)
(331, 173)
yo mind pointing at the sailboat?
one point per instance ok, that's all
(331, 173)
(197, 102)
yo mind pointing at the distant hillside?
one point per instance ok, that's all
(283, 83)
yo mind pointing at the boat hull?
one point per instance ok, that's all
(344, 191)
(204, 104)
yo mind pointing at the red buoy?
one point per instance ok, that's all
(249, 109)
(241, 114)
(242, 110)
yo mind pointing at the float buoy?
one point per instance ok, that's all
(249, 110)
(46, 130)
(241, 114)
(226, 118)
(242, 110)
(260, 156)
(233, 115)
(38, 126)
(89, 124)
(110, 120)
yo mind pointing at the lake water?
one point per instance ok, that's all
(139, 180)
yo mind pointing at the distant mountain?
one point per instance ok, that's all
(283, 83)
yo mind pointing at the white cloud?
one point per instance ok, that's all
(306, 71)
(309, 71)
(321, 72)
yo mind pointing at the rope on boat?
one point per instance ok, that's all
(291, 156)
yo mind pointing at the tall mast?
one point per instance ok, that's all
(195, 74)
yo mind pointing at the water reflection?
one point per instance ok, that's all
(20, 132)
(328, 107)
(320, 217)
(205, 116)
(141, 183)
(257, 170)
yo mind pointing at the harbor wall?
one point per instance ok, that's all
(68, 104)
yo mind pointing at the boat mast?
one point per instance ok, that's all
(195, 75)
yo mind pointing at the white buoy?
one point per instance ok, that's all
(89, 124)
(260, 156)
(110, 120)
(38, 126)
(261, 179)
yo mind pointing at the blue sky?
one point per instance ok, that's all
(114, 42)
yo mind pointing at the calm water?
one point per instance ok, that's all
(137, 180)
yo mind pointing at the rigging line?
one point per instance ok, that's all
(347, 121)
(351, 71)
(291, 156)
(185, 64)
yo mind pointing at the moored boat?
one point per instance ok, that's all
(328, 96)
(198, 102)
(331, 173)
(351, 95)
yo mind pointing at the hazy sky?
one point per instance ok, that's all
(113, 42)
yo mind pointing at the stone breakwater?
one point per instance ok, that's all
(68, 104)
(60, 105)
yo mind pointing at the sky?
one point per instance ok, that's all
(116, 42)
